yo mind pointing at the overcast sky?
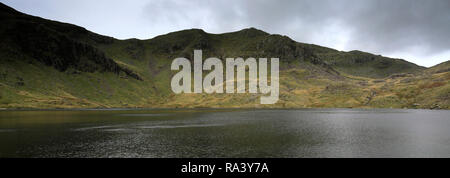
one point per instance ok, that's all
(415, 30)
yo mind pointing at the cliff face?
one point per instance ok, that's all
(48, 64)
(59, 45)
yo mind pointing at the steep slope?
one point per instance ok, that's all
(48, 64)
(245, 43)
(54, 44)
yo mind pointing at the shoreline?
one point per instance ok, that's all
(193, 108)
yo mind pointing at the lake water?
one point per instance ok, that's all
(225, 133)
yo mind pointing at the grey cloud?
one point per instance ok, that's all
(388, 26)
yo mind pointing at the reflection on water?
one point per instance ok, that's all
(225, 133)
(143, 115)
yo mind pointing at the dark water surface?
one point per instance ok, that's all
(225, 133)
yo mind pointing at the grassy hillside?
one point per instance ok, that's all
(47, 64)
(368, 65)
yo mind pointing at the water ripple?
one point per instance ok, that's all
(143, 115)
(178, 126)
